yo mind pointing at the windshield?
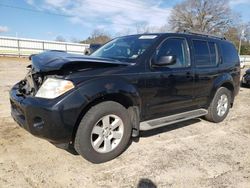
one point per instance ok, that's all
(126, 48)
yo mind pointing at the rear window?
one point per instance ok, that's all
(206, 53)
(229, 53)
(214, 58)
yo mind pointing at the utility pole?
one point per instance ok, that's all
(241, 35)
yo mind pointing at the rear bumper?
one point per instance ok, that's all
(51, 119)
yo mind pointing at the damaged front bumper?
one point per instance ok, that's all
(51, 119)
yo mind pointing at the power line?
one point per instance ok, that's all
(34, 10)
(129, 4)
(70, 16)
(97, 3)
(134, 6)
(45, 12)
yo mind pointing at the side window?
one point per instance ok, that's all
(201, 51)
(177, 47)
(214, 57)
(229, 53)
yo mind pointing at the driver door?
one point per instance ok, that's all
(170, 88)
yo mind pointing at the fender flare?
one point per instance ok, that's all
(96, 90)
(100, 87)
(225, 80)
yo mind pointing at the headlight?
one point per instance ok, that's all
(52, 88)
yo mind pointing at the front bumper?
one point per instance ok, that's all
(51, 119)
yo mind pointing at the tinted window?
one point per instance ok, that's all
(127, 48)
(176, 47)
(201, 51)
(213, 53)
(229, 53)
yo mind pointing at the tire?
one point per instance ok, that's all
(94, 129)
(214, 115)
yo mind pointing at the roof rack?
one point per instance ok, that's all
(204, 34)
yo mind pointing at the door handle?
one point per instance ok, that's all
(188, 75)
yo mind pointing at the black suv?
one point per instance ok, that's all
(140, 82)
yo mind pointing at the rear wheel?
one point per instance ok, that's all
(220, 105)
(104, 132)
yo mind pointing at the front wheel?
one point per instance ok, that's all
(104, 132)
(220, 105)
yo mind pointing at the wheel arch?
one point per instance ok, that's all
(224, 81)
(121, 92)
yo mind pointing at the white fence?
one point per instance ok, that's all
(245, 59)
(25, 47)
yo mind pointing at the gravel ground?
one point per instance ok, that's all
(195, 153)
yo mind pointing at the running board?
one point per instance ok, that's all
(161, 122)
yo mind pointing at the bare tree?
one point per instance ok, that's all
(74, 40)
(233, 35)
(238, 32)
(98, 36)
(124, 32)
(142, 28)
(240, 36)
(245, 31)
(60, 39)
(145, 28)
(210, 16)
(163, 28)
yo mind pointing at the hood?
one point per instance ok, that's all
(58, 60)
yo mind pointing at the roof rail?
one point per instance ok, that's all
(204, 34)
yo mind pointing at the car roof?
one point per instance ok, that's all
(185, 34)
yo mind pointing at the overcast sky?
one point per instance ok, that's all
(46, 19)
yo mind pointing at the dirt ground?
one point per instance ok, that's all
(195, 153)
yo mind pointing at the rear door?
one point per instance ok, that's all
(207, 59)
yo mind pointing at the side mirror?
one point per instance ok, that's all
(165, 60)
